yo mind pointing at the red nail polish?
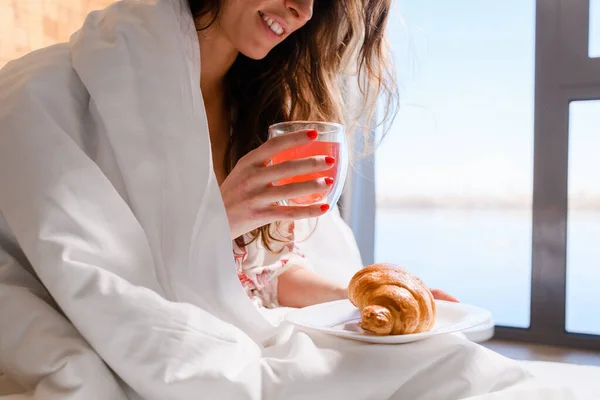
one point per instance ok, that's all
(324, 207)
(329, 181)
(312, 134)
(330, 160)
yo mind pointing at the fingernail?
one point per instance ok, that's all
(312, 134)
(324, 207)
(329, 181)
(330, 160)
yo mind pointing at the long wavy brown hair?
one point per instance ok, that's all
(303, 78)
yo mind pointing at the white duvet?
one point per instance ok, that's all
(116, 272)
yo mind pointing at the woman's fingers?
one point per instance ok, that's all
(250, 197)
(291, 213)
(293, 190)
(441, 295)
(302, 166)
(280, 143)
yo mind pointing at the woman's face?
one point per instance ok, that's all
(255, 27)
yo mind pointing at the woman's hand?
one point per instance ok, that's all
(250, 197)
(441, 295)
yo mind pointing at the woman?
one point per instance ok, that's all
(269, 48)
(132, 157)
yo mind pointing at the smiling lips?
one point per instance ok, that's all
(273, 25)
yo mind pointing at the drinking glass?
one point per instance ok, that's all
(331, 141)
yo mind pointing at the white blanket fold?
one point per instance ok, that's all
(107, 188)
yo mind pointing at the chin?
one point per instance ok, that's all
(254, 49)
(255, 54)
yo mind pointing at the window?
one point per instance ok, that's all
(454, 176)
(583, 237)
(471, 194)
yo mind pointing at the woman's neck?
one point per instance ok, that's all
(217, 55)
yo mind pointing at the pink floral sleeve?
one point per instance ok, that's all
(258, 268)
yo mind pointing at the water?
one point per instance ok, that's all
(483, 257)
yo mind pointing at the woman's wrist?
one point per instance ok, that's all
(341, 293)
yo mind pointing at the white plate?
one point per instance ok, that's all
(341, 318)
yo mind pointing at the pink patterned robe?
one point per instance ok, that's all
(259, 268)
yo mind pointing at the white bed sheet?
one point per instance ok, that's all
(583, 379)
(579, 376)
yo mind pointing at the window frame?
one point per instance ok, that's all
(564, 72)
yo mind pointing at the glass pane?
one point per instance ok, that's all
(594, 28)
(583, 232)
(454, 176)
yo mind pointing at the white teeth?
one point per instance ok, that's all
(274, 25)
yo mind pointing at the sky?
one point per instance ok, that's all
(465, 128)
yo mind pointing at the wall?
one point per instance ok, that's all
(27, 25)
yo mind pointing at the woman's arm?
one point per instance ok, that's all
(300, 287)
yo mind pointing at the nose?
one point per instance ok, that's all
(301, 9)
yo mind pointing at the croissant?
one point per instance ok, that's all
(392, 300)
